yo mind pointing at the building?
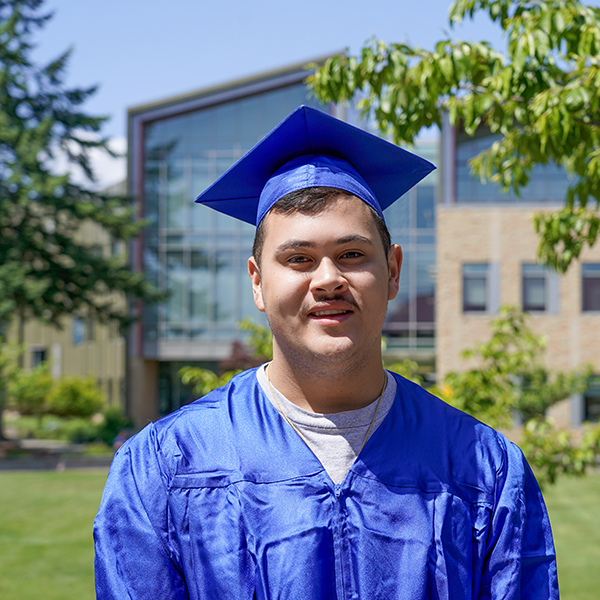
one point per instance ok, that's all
(468, 249)
(81, 347)
(486, 258)
(177, 147)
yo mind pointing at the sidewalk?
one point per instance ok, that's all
(49, 455)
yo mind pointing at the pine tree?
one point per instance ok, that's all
(46, 270)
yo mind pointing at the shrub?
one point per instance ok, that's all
(75, 397)
(50, 427)
(80, 431)
(114, 422)
(29, 390)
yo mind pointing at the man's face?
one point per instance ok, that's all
(324, 282)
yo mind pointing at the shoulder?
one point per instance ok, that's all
(448, 446)
(427, 411)
(187, 438)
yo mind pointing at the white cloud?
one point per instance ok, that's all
(108, 170)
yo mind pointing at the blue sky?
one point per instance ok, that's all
(140, 51)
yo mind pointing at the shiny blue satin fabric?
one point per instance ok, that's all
(222, 499)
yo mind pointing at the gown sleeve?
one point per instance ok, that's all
(131, 532)
(520, 561)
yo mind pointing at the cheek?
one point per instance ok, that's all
(284, 292)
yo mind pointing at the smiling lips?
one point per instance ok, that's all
(326, 313)
(334, 312)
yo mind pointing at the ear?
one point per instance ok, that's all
(394, 267)
(254, 273)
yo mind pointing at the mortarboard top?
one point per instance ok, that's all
(308, 149)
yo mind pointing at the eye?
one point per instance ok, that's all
(352, 254)
(298, 259)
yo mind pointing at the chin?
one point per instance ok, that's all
(337, 351)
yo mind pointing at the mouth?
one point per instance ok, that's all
(331, 313)
(328, 313)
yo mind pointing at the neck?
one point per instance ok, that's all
(328, 388)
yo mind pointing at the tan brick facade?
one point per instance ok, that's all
(505, 235)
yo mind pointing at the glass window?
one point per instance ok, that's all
(547, 183)
(177, 204)
(397, 215)
(425, 297)
(152, 190)
(399, 307)
(425, 207)
(38, 356)
(226, 286)
(78, 331)
(535, 288)
(592, 400)
(475, 287)
(199, 287)
(176, 279)
(590, 287)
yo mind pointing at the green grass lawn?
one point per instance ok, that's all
(574, 507)
(46, 548)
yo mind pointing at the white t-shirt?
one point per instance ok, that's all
(335, 439)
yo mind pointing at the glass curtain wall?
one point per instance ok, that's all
(410, 324)
(199, 256)
(195, 253)
(547, 183)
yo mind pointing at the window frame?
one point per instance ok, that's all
(470, 278)
(587, 278)
(551, 288)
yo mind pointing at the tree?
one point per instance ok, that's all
(542, 98)
(9, 355)
(46, 271)
(509, 379)
(258, 350)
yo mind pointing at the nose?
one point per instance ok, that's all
(328, 278)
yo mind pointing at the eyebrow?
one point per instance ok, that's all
(347, 239)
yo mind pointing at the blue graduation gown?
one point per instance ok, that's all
(222, 499)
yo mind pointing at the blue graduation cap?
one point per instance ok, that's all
(310, 149)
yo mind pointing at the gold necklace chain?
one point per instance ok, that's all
(291, 424)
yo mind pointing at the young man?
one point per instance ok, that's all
(320, 475)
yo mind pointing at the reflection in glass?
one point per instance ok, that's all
(176, 198)
(176, 279)
(547, 183)
(152, 266)
(425, 299)
(591, 400)
(151, 191)
(399, 308)
(397, 215)
(199, 281)
(425, 208)
(225, 297)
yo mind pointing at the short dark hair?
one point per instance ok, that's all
(312, 201)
